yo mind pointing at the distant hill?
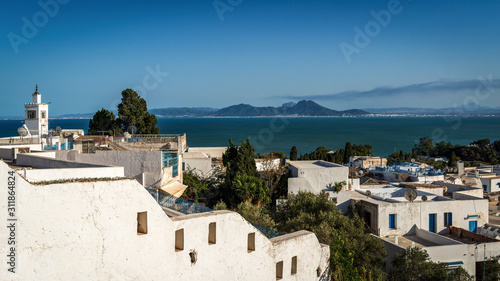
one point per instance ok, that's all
(459, 110)
(302, 108)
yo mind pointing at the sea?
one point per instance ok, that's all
(385, 134)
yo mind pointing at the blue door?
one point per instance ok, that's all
(473, 226)
(432, 222)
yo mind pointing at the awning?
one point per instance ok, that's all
(175, 188)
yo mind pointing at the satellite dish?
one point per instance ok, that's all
(368, 193)
(52, 132)
(410, 194)
(360, 172)
(22, 131)
(58, 130)
(424, 198)
(132, 129)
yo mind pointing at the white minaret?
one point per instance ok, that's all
(36, 115)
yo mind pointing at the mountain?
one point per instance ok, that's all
(459, 110)
(182, 111)
(302, 108)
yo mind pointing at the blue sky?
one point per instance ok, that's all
(84, 53)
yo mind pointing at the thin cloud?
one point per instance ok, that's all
(442, 86)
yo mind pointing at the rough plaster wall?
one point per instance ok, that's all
(90, 233)
(201, 166)
(46, 163)
(321, 179)
(214, 152)
(75, 173)
(134, 162)
(6, 153)
(232, 233)
(299, 184)
(453, 253)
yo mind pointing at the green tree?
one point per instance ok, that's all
(246, 159)
(344, 235)
(134, 111)
(492, 271)
(337, 186)
(103, 121)
(293, 153)
(250, 189)
(424, 146)
(453, 160)
(255, 214)
(197, 187)
(348, 152)
(415, 264)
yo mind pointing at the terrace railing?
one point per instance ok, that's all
(187, 207)
(159, 138)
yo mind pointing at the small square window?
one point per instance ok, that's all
(142, 223)
(179, 240)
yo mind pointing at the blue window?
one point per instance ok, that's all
(432, 222)
(392, 221)
(485, 187)
(448, 219)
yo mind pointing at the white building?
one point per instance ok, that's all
(368, 162)
(452, 229)
(36, 115)
(115, 230)
(315, 176)
(490, 183)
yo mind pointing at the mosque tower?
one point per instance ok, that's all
(37, 115)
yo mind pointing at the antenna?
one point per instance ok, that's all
(132, 129)
(22, 131)
(424, 198)
(410, 194)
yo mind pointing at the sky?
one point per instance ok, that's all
(341, 54)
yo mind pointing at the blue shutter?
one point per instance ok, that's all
(392, 221)
(450, 218)
(432, 222)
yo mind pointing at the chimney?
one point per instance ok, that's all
(460, 168)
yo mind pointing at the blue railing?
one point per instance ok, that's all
(154, 138)
(63, 146)
(187, 207)
(269, 233)
(184, 206)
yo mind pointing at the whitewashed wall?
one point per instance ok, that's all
(88, 231)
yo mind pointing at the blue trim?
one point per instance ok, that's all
(455, 263)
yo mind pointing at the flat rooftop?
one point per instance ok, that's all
(406, 241)
(314, 164)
